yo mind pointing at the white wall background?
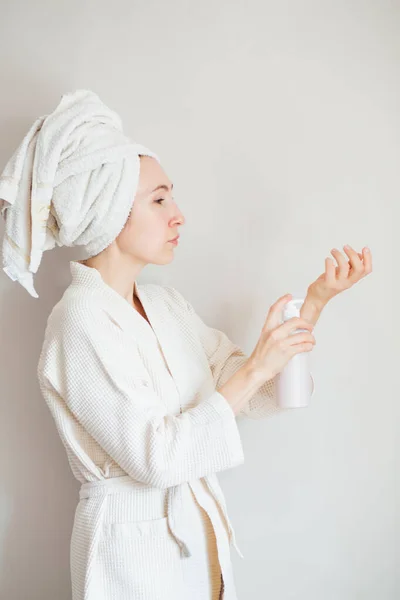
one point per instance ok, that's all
(278, 123)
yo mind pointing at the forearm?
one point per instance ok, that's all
(241, 387)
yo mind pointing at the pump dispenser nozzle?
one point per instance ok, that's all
(292, 308)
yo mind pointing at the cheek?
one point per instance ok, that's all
(156, 223)
(147, 228)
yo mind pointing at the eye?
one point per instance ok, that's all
(160, 200)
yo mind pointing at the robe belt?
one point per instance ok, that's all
(175, 509)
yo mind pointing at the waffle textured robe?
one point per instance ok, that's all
(145, 430)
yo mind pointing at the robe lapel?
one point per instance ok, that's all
(162, 337)
(164, 329)
(185, 368)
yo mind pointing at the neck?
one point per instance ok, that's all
(118, 272)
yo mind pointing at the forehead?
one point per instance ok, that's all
(151, 175)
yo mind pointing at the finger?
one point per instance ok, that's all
(330, 271)
(299, 338)
(296, 324)
(357, 264)
(343, 264)
(275, 312)
(285, 329)
(367, 257)
(298, 348)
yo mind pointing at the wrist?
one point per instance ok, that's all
(311, 310)
(315, 300)
(256, 376)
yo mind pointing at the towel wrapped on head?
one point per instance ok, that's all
(71, 182)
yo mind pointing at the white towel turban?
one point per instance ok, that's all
(71, 182)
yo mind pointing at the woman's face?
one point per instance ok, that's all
(154, 219)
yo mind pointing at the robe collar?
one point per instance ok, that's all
(91, 279)
(161, 329)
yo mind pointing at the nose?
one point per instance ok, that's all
(177, 215)
(180, 219)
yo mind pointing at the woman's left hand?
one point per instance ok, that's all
(337, 279)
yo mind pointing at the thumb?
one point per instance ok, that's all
(273, 319)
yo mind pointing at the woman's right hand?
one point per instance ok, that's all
(277, 345)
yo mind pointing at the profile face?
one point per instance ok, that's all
(154, 219)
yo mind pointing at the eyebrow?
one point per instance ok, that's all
(163, 187)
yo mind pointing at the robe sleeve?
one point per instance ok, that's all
(85, 366)
(225, 358)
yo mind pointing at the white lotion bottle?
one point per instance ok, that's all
(294, 385)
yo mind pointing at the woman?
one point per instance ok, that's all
(145, 398)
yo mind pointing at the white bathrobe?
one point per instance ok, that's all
(145, 432)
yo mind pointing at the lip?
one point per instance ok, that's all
(175, 240)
